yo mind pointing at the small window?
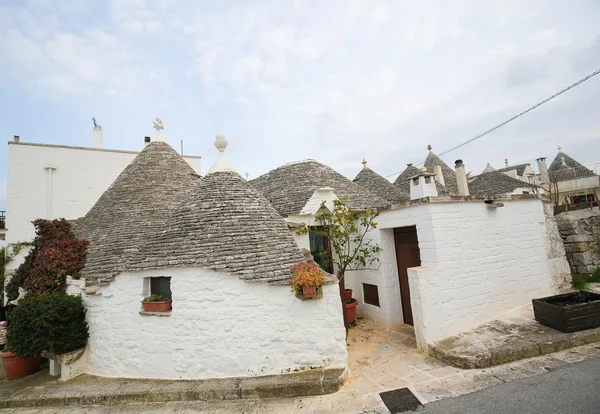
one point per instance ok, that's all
(415, 181)
(525, 192)
(160, 286)
(428, 180)
(371, 294)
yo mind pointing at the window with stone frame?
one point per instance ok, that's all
(160, 285)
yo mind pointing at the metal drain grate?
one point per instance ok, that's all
(400, 400)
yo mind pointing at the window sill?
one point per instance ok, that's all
(146, 313)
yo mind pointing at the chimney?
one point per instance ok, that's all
(423, 185)
(146, 140)
(438, 175)
(97, 135)
(461, 178)
(17, 138)
(543, 169)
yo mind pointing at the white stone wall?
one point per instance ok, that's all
(80, 178)
(479, 263)
(220, 326)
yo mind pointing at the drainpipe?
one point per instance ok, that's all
(49, 168)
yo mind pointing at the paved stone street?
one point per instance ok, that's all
(381, 359)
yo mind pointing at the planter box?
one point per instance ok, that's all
(568, 312)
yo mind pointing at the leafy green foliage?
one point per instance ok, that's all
(48, 322)
(347, 231)
(595, 276)
(155, 297)
(306, 274)
(56, 253)
(578, 282)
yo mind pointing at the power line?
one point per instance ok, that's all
(580, 81)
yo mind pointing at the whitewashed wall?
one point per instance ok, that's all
(80, 178)
(579, 186)
(220, 326)
(478, 263)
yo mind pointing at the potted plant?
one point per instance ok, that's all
(156, 303)
(17, 367)
(347, 294)
(48, 322)
(307, 277)
(350, 310)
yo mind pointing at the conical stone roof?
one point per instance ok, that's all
(290, 186)
(130, 211)
(448, 173)
(573, 169)
(369, 179)
(225, 225)
(402, 180)
(494, 183)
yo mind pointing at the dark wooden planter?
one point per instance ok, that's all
(569, 312)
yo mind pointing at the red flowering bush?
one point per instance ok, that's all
(56, 254)
(306, 274)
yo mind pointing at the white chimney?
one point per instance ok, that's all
(461, 178)
(423, 185)
(97, 135)
(438, 175)
(543, 168)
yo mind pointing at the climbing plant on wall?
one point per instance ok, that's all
(56, 253)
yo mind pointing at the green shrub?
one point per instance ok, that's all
(49, 322)
(595, 276)
(579, 282)
(155, 297)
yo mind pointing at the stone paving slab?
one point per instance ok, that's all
(513, 337)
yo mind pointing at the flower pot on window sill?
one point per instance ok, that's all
(309, 291)
(17, 367)
(163, 306)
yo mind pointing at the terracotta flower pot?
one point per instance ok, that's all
(163, 306)
(309, 291)
(350, 309)
(347, 295)
(16, 367)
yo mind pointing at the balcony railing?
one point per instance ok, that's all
(2, 220)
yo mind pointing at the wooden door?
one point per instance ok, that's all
(407, 255)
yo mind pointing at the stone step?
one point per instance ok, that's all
(44, 391)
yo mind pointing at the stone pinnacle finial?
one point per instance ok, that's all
(247, 176)
(158, 125)
(429, 147)
(364, 163)
(559, 148)
(506, 161)
(221, 143)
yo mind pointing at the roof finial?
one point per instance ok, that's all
(559, 148)
(247, 176)
(506, 161)
(429, 147)
(364, 163)
(220, 143)
(158, 125)
(97, 126)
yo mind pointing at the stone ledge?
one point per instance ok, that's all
(89, 390)
(148, 313)
(488, 345)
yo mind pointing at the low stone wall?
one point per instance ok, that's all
(580, 231)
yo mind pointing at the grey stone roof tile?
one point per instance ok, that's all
(572, 170)
(128, 213)
(377, 184)
(290, 186)
(495, 183)
(448, 173)
(224, 225)
(519, 167)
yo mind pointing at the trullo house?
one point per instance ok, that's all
(224, 255)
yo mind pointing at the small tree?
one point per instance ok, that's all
(347, 231)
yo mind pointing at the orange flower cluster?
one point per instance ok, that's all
(306, 274)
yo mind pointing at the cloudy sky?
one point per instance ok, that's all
(287, 80)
